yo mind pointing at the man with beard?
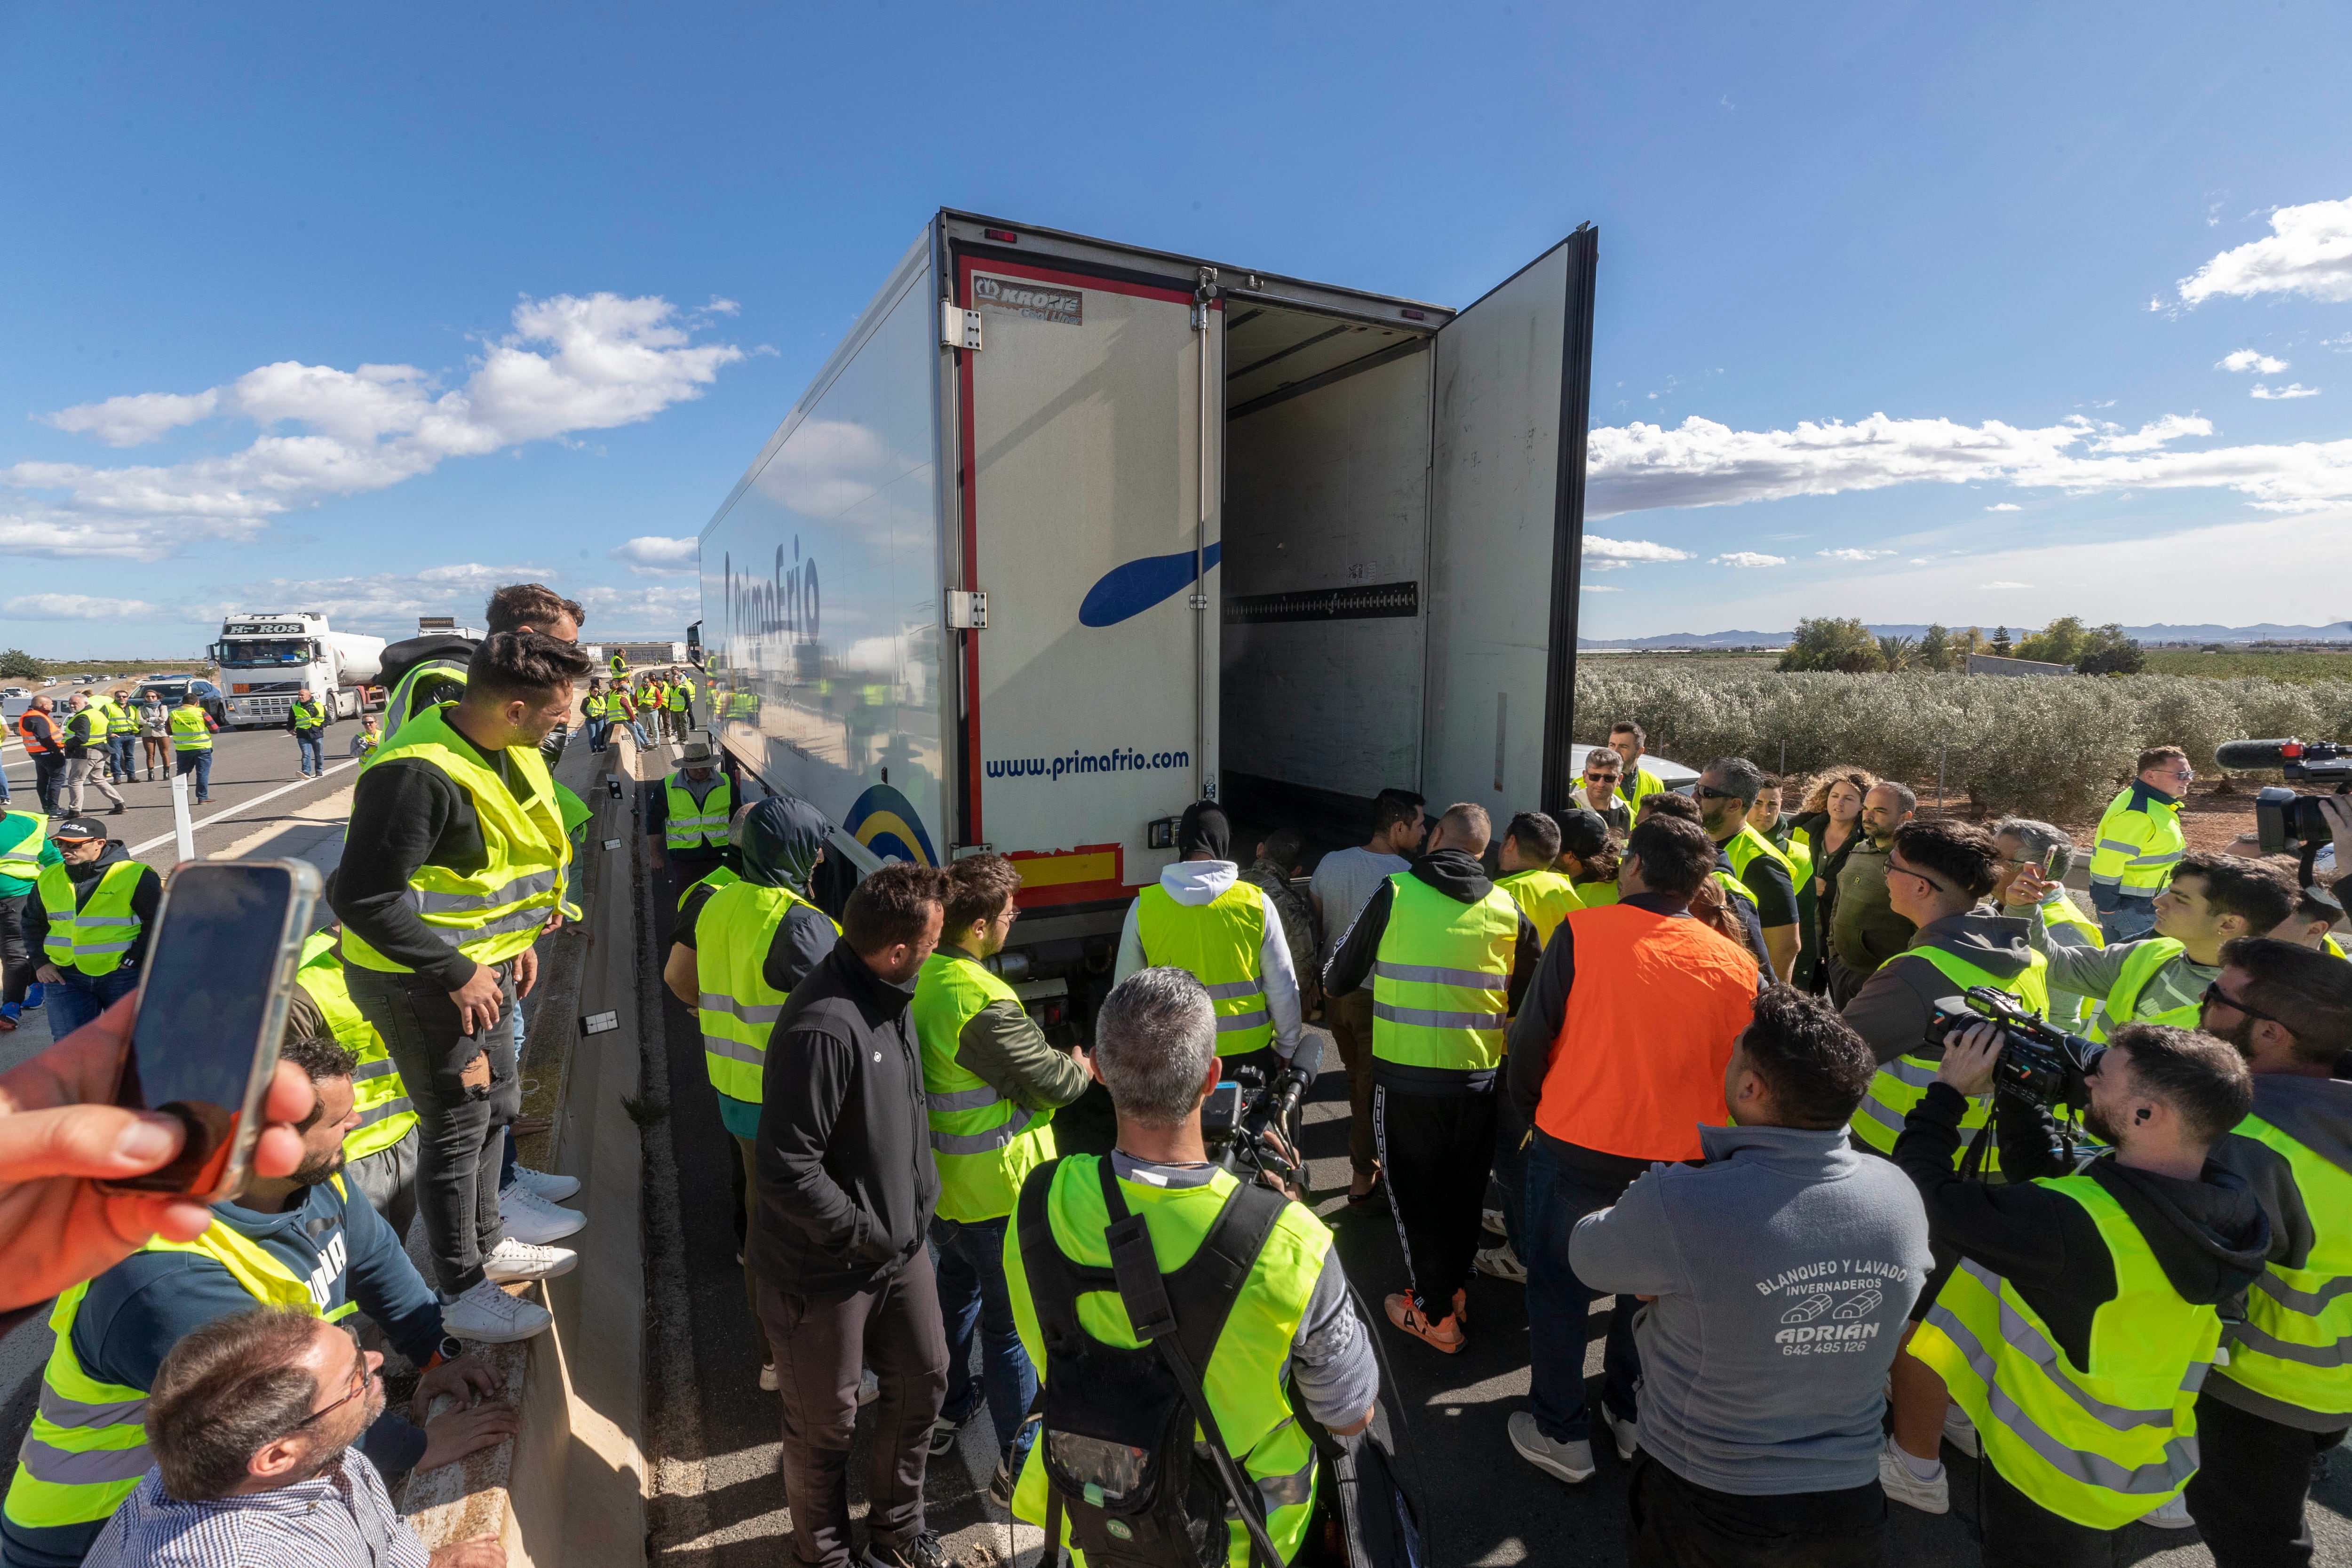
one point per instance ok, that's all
(251, 1425)
(303, 1243)
(2286, 1392)
(2082, 1318)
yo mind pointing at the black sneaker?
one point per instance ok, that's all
(944, 1429)
(923, 1551)
(1001, 1485)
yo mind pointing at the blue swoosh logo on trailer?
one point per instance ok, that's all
(1127, 590)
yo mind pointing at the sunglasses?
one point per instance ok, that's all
(1704, 792)
(2215, 996)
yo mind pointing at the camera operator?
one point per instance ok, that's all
(1750, 1456)
(2211, 899)
(2081, 1317)
(2286, 1391)
(1290, 1323)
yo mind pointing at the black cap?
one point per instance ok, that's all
(1582, 834)
(78, 828)
(1204, 826)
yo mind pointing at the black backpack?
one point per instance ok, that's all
(1117, 1442)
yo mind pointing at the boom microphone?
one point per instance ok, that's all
(2250, 756)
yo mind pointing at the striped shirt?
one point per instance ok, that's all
(341, 1517)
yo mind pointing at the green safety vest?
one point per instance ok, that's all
(592, 706)
(1903, 1082)
(377, 1092)
(620, 665)
(87, 726)
(492, 914)
(678, 695)
(576, 815)
(396, 708)
(984, 1145)
(2137, 850)
(2295, 1343)
(1543, 897)
(1596, 895)
(697, 826)
(2140, 966)
(1798, 853)
(2101, 1444)
(188, 731)
(87, 1448)
(94, 937)
(1244, 1379)
(308, 715)
(719, 877)
(739, 1007)
(1744, 846)
(120, 720)
(1442, 977)
(23, 834)
(2059, 910)
(1222, 943)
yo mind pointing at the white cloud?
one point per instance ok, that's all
(2251, 359)
(1598, 588)
(1748, 558)
(2341, 346)
(2004, 506)
(1852, 554)
(76, 607)
(1637, 467)
(1608, 554)
(2307, 251)
(642, 611)
(2004, 584)
(569, 363)
(2277, 393)
(657, 555)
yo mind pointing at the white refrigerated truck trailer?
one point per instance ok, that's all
(1068, 533)
(268, 658)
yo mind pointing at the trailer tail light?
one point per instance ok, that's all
(1002, 235)
(1414, 315)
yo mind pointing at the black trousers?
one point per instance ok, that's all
(820, 1342)
(2021, 1533)
(2249, 1499)
(1678, 1524)
(49, 779)
(1435, 1150)
(460, 1132)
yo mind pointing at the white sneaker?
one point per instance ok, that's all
(1571, 1462)
(532, 1219)
(489, 1316)
(1628, 1434)
(1501, 1263)
(2173, 1515)
(769, 1383)
(554, 1189)
(1960, 1432)
(1491, 1221)
(869, 1387)
(511, 1259)
(1901, 1485)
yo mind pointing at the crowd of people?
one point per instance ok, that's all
(1684, 1056)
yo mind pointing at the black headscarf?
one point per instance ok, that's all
(780, 837)
(1204, 829)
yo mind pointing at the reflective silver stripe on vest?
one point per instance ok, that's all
(734, 1050)
(60, 1411)
(741, 1012)
(2118, 846)
(1277, 1492)
(1232, 990)
(2310, 1303)
(1234, 1023)
(384, 1112)
(521, 887)
(981, 1143)
(99, 1467)
(2254, 1339)
(1431, 1019)
(979, 1099)
(366, 1070)
(1430, 975)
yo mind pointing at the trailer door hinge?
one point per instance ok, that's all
(959, 328)
(967, 610)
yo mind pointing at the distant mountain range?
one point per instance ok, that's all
(2265, 632)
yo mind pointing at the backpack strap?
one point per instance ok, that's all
(1052, 1278)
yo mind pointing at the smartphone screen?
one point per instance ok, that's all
(2050, 865)
(211, 990)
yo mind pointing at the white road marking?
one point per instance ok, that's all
(225, 815)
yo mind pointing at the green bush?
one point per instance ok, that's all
(2056, 747)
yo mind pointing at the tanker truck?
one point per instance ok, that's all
(268, 659)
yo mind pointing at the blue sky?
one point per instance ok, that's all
(371, 310)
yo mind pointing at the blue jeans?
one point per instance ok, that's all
(637, 730)
(80, 997)
(972, 1294)
(312, 751)
(599, 731)
(122, 747)
(201, 765)
(2129, 921)
(1560, 1304)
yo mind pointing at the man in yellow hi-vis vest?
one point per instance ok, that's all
(454, 865)
(2139, 843)
(2285, 1393)
(303, 1241)
(2081, 1320)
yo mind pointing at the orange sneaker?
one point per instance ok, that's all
(1445, 1334)
(1461, 1308)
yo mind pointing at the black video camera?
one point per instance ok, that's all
(1236, 1118)
(2283, 818)
(2047, 1066)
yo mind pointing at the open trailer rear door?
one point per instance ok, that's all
(1514, 379)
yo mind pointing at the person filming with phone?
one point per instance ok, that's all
(454, 862)
(2080, 1319)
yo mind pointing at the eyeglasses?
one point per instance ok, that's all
(1933, 885)
(2214, 995)
(362, 1380)
(1708, 793)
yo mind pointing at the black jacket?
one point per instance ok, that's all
(402, 656)
(2210, 1235)
(1458, 875)
(143, 900)
(847, 1182)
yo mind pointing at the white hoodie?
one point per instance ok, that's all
(1193, 883)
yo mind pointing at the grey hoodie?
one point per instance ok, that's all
(2317, 1112)
(1892, 1009)
(1784, 1267)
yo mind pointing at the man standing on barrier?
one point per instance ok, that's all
(1260, 1310)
